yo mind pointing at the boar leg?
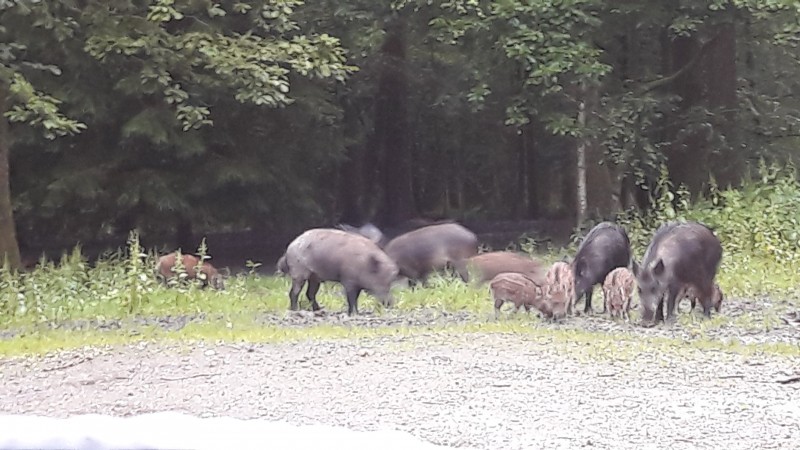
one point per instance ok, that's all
(294, 292)
(659, 317)
(498, 303)
(672, 296)
(311, 292)
(352, 299)
(587, 309)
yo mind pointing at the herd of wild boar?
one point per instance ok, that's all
(681, 261)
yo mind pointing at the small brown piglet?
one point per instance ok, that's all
(560, 278)
(518, 289)
(716, 299)
(618, 290)
(208, 273)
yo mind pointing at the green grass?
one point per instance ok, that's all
(579, 343)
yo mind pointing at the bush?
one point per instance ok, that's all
(756, 223)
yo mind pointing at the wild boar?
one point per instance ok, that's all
(485, 266)
(556, 304)
(679, 255)
(209, 275)
(604, 248)
(367, 230)
(617, 292)
(559, 279)
(691, 293)
(519, 290)
(427, 249)
(324, 254)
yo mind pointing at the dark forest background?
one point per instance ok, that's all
(250, 121)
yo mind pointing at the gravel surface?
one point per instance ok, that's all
(488, 391)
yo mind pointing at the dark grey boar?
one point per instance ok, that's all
(618, 290)
(208, 274)
(604, 248)
(485, 266)
(427, 249)
(324, 254)
(716, 299)
(560, 280)
(519, 290)
(679, 255)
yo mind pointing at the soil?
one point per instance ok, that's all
(481, 390)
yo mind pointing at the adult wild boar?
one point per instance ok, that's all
(617, 292)
(604, 248)
(716, 299)
(324, 254)
(559, 279)
(427, 249)
(679, 255)
(208, 275)
(519, 290)
(485, 266)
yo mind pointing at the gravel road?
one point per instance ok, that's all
(487, 390)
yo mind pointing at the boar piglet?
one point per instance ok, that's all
(617, 291)
(716, 299)
(604, 248)
(486, 266)
(520, 290)
(679, 255)
(559, 278)
(432, 248)
(324, 254)
(208, 274)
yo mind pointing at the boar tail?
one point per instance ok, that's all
(282, 266)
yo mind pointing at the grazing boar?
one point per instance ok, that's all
(324, 254)
(617, 292)
(485, 266)
(367, 230)
(559, 279)
(604, 248)
(209, 275)
(427, 249)
(691, 293)
(520, 290)
(679, 255)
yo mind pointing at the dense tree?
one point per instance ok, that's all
(195, 116)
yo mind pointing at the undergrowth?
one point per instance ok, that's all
(757, 225)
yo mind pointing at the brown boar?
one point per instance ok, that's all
(324, 254)
(617, 292)
(604, 248)
(432, 248)
(691, 293)
(486, 266)
(208, 275)
(519, 290)
(679, 254)
(560, 279)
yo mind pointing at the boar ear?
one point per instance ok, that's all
(374, 264)
(658, 268)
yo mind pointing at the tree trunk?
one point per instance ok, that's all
(709, 83)
(9, 247)
(391, 126)
(580, 154)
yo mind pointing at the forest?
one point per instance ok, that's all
(178, 118)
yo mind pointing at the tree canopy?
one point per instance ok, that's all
(189, 115)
